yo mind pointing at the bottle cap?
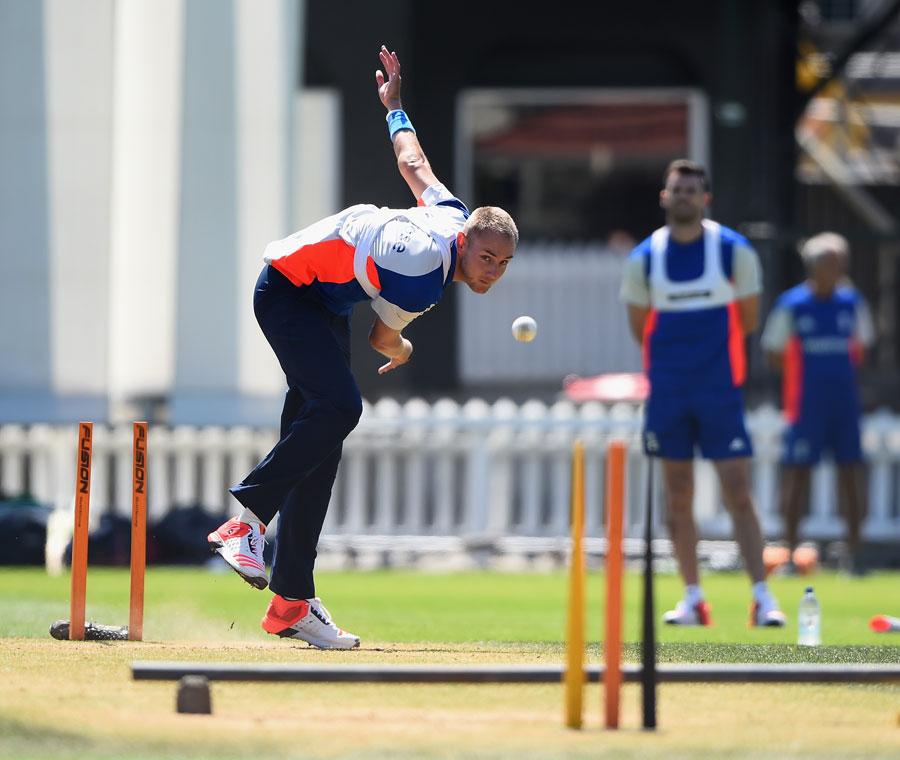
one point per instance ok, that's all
(809, 589)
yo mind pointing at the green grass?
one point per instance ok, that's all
(403, 606)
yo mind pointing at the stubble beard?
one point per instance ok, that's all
(685, 217)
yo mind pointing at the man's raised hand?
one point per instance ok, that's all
(389, 88)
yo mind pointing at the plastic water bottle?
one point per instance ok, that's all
(809, 620)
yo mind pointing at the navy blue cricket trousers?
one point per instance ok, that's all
(322, 405)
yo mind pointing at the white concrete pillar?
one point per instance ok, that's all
(209, 295)
(318, 155)
(146, 163)
(79, 48)
(25, 357)
(241, 76)
(267, 75)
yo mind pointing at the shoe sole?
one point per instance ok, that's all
(290, 633)
(256, 581)
(703, 621)
(686, 625)
(770, 624)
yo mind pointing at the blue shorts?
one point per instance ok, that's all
(831, 426)
(675, 423)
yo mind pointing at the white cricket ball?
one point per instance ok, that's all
(524, 329)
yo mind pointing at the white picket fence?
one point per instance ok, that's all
(417, 477)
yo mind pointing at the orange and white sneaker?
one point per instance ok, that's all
(765, 613)
(308, 620)
(240, 544)
(685, 614)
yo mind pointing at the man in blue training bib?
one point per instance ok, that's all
(692, 292)
(401, 261)
(816, 335)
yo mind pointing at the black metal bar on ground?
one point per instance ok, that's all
(670, 673)
(648, 642)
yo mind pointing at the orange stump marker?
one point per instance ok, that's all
(80, 535)
(138, 532)
(615, 499)
(574, 674)
(75, 627)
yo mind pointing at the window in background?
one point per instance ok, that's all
(576, 164)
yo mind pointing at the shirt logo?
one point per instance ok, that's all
(689, 294)
(845, 322)
(826, 344)
(318, 614)
(806, 324)
(737, 445)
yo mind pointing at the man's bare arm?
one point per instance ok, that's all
(637, 318)
(412, 163)
(390, 343)
(748, 309)
(411, 159)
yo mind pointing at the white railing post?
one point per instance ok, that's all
(212, 457)
(353, 481)
(881, 448)
(384, 495)
(447, 413)
(13, 445)
(765, 426)
(590, 428)
(529, 449)
(42, 475)
(184, 448)
(100, 473)
(414, 437)
(159, 494)
(500, 443)
(560, 439)
(121, 440)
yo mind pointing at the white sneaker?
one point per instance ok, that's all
(684, 614)
(308, 620)
(241, 544)
(765, 613)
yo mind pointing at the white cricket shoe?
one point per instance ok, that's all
(308, 620)
(241, 544)
(765, 613)
(685, 614)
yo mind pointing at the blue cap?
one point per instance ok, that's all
(809, 589)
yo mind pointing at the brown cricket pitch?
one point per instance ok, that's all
(65, 698)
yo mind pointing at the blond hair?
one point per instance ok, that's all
(492, 219)
(823, 244)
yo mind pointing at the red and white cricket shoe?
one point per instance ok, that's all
(308, 620)
(765, 613)
(241, 544)
(685, 614)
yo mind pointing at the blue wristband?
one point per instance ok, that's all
(398, 120)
